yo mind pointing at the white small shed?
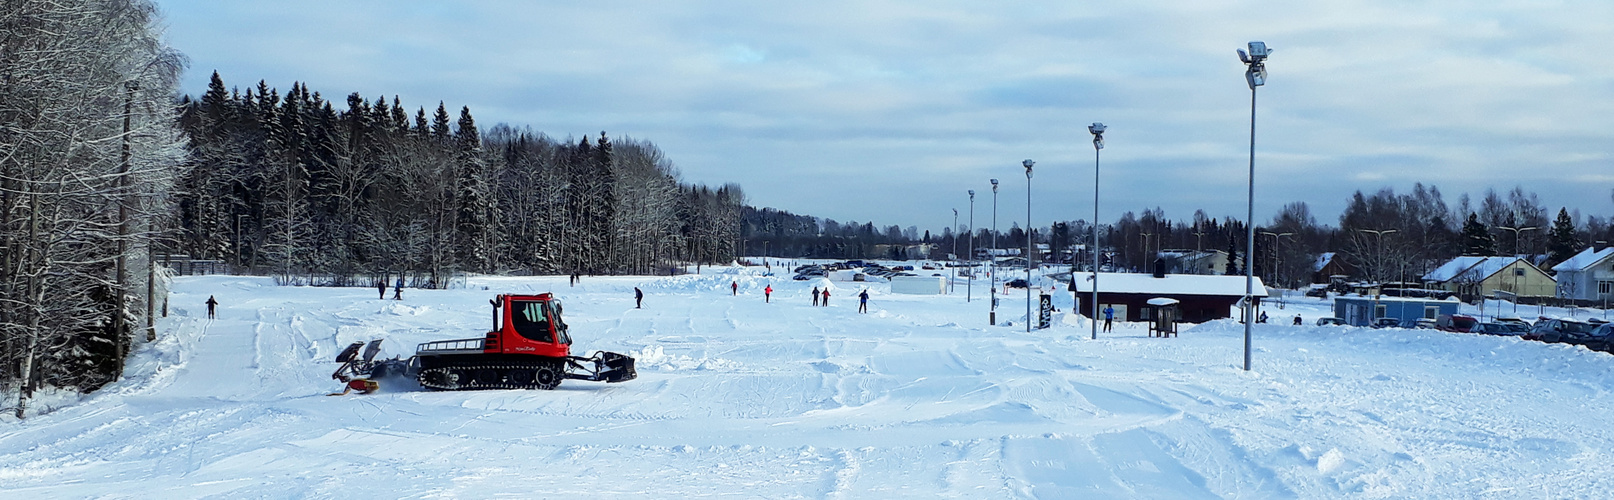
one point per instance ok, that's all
(918, 285)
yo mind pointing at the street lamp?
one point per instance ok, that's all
(992, 317)
(1516, 231)
(1275, 258)
(1097, 129)
(969, 286)
(1256, 76)
(1378, 256)
(951, 286)
(1028, 163)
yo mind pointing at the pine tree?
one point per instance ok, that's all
(1562, 241)
(1477, 240)
(475, 197)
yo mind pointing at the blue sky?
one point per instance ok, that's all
(890, 110)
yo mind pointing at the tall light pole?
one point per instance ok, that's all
(1275, 258)
(951, 286)
(1097, 129)
(1256, 76)
(1143, 253)
(992, 317)
(1516, 231)
(969, 286)
(1028, 163)
(1378, 256)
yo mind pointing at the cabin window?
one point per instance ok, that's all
(1430, 312)
(531, 320)
(1605, 287)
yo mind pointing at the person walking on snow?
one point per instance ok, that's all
(767, 294)
(735, 287)
(212, 305)
(863, 301)
(397, 292)
(381, 287)
(638, 298)
(815, 296)
(1109, 315)
(826, 297)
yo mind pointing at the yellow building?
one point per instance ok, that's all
(1472, 276)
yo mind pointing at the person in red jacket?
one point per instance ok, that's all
(767, 294)
(735, 287)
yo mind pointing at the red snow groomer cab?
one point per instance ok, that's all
(528, 348)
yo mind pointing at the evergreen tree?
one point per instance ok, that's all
(1477, 240)
(475, 197)
(1562, 242)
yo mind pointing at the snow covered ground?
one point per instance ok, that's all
(740, 398)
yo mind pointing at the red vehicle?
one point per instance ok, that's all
(528, 348)
(1456, 323)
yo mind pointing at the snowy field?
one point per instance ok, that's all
(740, 398)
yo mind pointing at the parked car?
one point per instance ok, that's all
(1504, 329)
(1602, 338)
(1513, 320)
(1319, 291)
(1554, 330)
(1386, 323)
(1017, 283)
(1419, 323)
(1456, 323)
(1329, 321)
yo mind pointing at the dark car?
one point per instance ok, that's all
(1503, 329)
(1017, 283)
(1555, 330)
(1318, 291)
(1386, 323)
(1456, 323)
(1601, 338)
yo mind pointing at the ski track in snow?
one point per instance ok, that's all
(737, 397)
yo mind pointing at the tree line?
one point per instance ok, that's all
(1384, 236)
(290, 186)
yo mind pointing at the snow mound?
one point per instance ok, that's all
(656, 358)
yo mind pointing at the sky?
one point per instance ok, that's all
(890, 111)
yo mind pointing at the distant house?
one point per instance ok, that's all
(1474, 276)
(1195, 261)
(1363, 310)
(1200, 298)
(1589, 275)
(1328, 265)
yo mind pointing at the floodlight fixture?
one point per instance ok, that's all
(1098, 134)
(1256, 58)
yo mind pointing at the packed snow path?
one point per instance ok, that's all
(739, 398)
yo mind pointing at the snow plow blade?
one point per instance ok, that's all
(606, 367)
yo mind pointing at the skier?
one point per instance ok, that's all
(211, 306)
(815, 296)
(1297, 320)
(638, 298)
(381, 286)
(397, 292)
(735, 287)
(863, 301)
(1109, 315)
(767, 294)
(826, 297)
(1263, 317)
(363, 385)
